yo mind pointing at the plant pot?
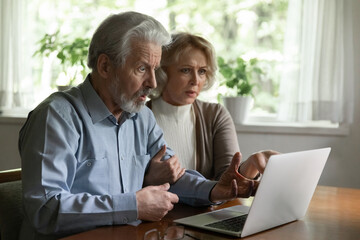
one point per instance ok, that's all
(238, 107)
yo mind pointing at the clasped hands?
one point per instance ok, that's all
(154, 201)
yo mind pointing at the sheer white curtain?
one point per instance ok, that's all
(317, 82)
(14, 86)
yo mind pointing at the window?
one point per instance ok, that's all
(247, 28)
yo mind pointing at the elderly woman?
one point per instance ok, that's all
(201, 133)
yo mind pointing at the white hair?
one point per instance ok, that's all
(115, 34)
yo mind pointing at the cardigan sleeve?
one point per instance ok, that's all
(216, 139)
(224, 140)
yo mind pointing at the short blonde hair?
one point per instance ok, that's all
(172, 52)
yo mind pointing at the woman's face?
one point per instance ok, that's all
(185, 78)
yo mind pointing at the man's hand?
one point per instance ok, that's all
(160, 172)
(154, 202)
(232, 184)
(256, 163)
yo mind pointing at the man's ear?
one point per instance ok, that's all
(104, 65)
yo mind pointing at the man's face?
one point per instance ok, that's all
(132, 82)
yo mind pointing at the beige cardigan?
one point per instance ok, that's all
(216, 140)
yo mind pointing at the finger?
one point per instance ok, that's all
(179, 175)
(173, 161)
(264, 158)
(173, 198)
(245, 187)
(159, 154)
(234, 188)
(164, 187)
(269, 153)
(176, 165)
(160, 214)
(182, 172)
(235, 162)
(261, 163)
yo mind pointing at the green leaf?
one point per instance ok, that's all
(69, 53)
(231, 84)
(239, 73)
(61, 56)
(253, 61)
(245, 89)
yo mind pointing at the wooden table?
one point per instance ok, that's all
(334, 213)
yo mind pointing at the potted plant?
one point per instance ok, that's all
(237, 76)
(71, 55)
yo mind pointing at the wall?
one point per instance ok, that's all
(342, 168)
(9, 131)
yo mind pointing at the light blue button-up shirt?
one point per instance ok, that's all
(81, 168)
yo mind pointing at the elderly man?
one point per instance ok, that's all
(85, 151)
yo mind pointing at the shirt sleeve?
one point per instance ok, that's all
(48, 146)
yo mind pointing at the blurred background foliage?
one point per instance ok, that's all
(237, 28)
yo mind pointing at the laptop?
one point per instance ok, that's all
(283, 196)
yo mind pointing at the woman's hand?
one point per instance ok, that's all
(160, 172)
(256, 163)
(232, 184)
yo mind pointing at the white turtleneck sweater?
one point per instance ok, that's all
(178, 125)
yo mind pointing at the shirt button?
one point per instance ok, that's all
(88, 164)
(125, 220)
(122, 158)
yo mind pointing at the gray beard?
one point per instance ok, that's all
(131, 104)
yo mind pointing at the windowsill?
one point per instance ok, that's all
(14, 116)
(12, 119)
(292, 128)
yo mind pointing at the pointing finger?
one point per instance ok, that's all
(235, 162)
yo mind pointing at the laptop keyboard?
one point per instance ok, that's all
(234, 224)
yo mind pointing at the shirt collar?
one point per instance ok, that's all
(96, 107)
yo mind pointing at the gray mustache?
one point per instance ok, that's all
(145, 91)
